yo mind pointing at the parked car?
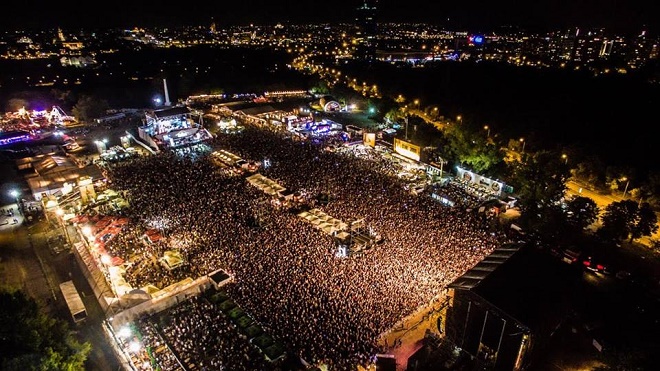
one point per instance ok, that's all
(596, 265)
(570, 256)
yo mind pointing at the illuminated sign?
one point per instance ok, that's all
(407, 149)
(476, 39)
(493, 186)
(369, 139)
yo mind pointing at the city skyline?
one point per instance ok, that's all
(618, 16)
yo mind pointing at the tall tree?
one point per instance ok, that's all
(646, 223)
(650, 190)
(471, 148)
(30, 340)
(540, 182)
(14, 104)
(89, 107)
(617, 219)
(628, 220)
(581, 212)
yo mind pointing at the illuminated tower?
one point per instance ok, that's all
(366, 30)
(213, 26)
(167, 94)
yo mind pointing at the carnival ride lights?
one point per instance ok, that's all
(15, 138)
(55, 115)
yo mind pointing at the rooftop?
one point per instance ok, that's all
(523, 282)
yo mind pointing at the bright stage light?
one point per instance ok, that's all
(106, 259)
(124, 332)
(135, 346)
(87, 231)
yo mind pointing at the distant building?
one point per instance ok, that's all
(366, 32)
(77, 61)
(329, 104)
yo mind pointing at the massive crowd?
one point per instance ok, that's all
(287, 275)
(201, 337)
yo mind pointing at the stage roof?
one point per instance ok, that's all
(173, 111)
(479, 272)
(46, 173)
(522, 281)
(258, 110)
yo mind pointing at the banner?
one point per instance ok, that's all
(407, 149)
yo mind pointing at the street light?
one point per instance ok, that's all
(522, 140)
(406, 118)
(459, 118)
(60, 217)
(15, 193)
(625, 189)
(487, 128)
(565, 157)
(100, 145)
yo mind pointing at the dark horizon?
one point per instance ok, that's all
(613, 15)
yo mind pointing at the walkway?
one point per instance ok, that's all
(407, 336)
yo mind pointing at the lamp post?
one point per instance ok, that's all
(442, 162)
(100, 145)
(15, 193)
(406, 118)
(625, 189)
(522, 140)
(565, 157)
(487, 128)
(60, 217)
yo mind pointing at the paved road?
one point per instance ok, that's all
(602, 200)
(577, 189)
(22, 261)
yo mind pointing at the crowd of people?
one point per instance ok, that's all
(201, 337)
(325, 309)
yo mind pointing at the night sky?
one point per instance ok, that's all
(476, 15)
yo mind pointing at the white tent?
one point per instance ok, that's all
(267, 185)
(323, 221)
(172, 259)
